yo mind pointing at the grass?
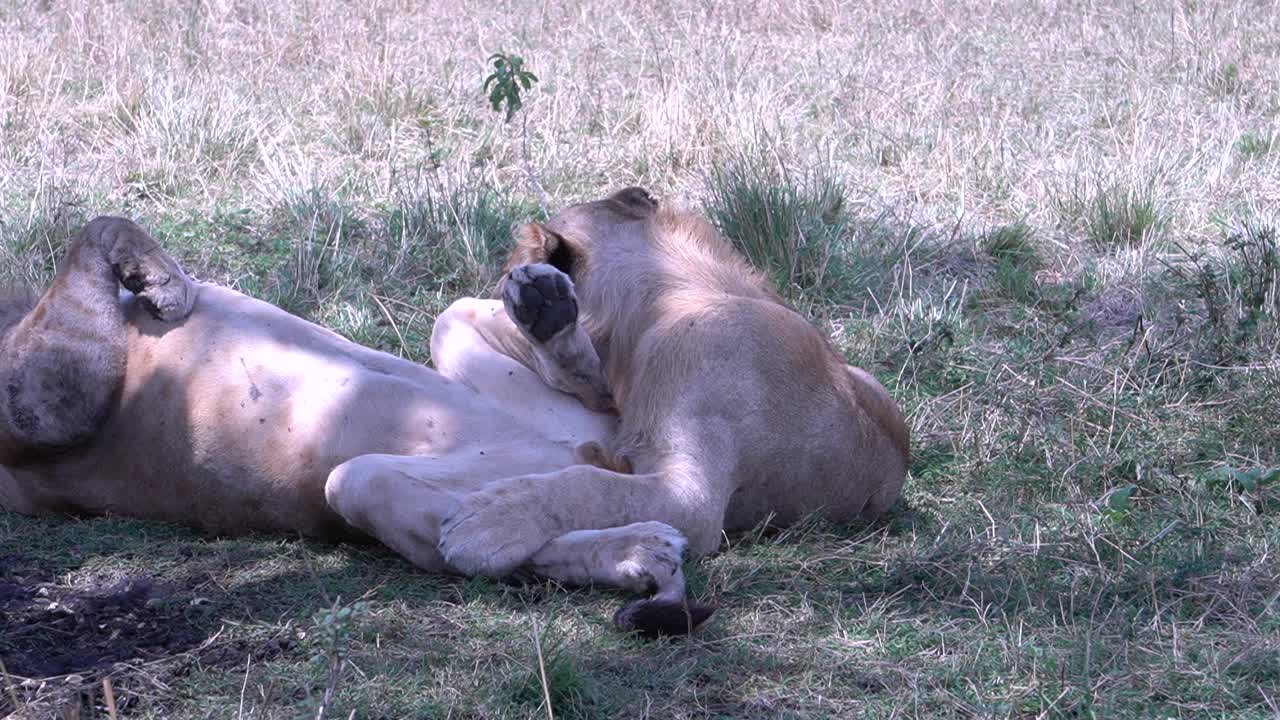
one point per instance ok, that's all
(1122, 217)
(1056, 249)
(793, 225)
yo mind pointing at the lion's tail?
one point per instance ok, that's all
(661, 617)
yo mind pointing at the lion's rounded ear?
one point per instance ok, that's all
(535, 243)
(636, 198)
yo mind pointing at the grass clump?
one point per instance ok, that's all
(791, 224)
(323, 232)
(1014, 243)
(1240, 290)
(456, 235)
(552, 674)
(1017, 260)
(1254, 145)
(1122, 216)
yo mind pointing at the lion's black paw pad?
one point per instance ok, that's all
(540, 299)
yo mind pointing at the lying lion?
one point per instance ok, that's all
(192, 403)
(734, 408)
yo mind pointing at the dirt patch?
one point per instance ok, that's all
(58, 642)
(1116, 309)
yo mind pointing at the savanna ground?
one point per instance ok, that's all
(1048, 228)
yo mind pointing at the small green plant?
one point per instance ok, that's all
(333, 630)
(506, 86)
(1247, 479)
(506, 83)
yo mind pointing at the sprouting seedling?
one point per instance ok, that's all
(505, 85)
(507, 81)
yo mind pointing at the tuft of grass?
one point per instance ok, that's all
(32, 244)
(1014, 242)
(323, 232)
(793, 224)
(1255, 145)
(1225, 81)
(1240, 291)
(552, 674)
(1122, 216)
(1017, 259)
(461, 233)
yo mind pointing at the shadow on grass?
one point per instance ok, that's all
(148, 603)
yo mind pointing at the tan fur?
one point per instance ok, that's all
(193, 403)
(734, 408)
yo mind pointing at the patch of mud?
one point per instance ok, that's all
(58, 642)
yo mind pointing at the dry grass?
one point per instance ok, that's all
(1049, 228)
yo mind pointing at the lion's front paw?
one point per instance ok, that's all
(652, 559)
(494, 532)
(540, 300)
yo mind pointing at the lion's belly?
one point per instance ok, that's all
(234, 419)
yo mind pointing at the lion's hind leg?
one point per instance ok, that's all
(402, 500)
(62, 362)
(644, 557)
(397, 500)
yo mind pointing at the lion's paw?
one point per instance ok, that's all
(653, 559)
(145, 269)
(494, 532)
(540, 299)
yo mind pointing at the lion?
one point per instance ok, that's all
(194, 403)
(184, 401)
(734, 409)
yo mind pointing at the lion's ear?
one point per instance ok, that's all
(534, 244)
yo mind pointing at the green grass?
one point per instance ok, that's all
(1122, 216)
(789, 222)
(1254, 145)
(1063, 265)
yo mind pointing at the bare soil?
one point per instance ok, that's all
(58, 642)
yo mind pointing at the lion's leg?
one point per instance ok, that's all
(475, 343)
(398, 500)
(539, 329)
(499, 527)
(644, 557)
(401, 501)
(63, 361)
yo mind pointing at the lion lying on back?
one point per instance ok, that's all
(193, 403)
